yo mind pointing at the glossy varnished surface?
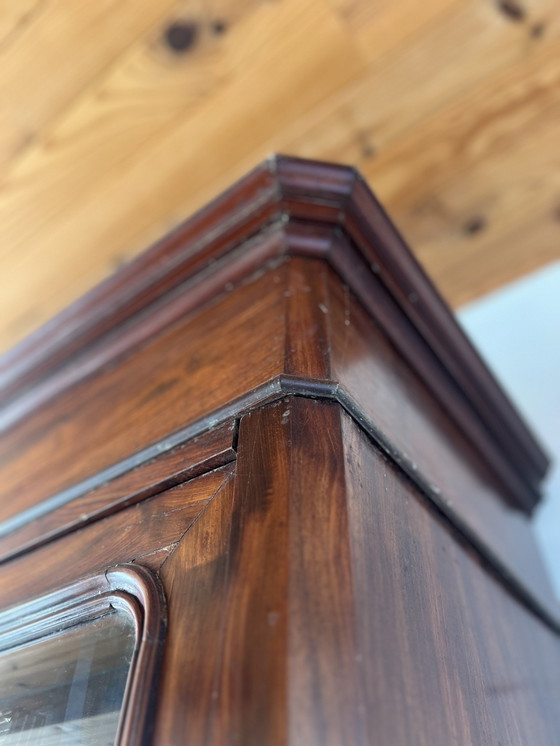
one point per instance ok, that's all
(145, 533)
(260, 615)
(275, 412)
(45, 521)
(321, 600)
(328, 198)
(399, 406)
(314, 595)
(178, 378)
(294, 326)
(448, 654)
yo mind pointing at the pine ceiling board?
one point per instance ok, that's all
(496, 257)
(289, 56)
(465, 183)
(440, 119)
(14, 17)
(464, 173)
(472, 232)
(440, 64)
(364, 16)
(380, 27)
(50, 50)
(515, 20)
(382, 106)
(495, 149)
(483, 132)
(138, 98)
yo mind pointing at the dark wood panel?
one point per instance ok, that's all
(304, 346)
(385, 312)
(326, 703)
(46, 521)
(227, 585)
(128, 535)
(328, 583)
(322, 600)
(194, 246)
(196, 578)
(154, 560)
(261, 644)
(203, 362)
(307, 323)
(449, 655)
(430, 445)
(255, 255)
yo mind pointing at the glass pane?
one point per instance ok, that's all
(67, 689)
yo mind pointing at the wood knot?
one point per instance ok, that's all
(219, 27)
(475, 225)
(180, 36)
(512, 10)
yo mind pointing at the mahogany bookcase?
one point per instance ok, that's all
(268, 440)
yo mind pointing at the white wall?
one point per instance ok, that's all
(517, 330)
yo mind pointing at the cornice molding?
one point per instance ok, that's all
(285, 206)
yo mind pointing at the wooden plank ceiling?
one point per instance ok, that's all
(121, 117)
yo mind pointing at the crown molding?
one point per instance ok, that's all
(285, 206)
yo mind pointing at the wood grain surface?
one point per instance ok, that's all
(260, 611)
(319, 599)
(315, 595)
(396, 404)
(318, 319)
(215, 312)
(48, 520)
(171, 382)
(433, 626)
(119, 119)
(152, 526)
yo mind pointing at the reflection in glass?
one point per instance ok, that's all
(67, 689)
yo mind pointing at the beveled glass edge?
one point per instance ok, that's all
(130, 588)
